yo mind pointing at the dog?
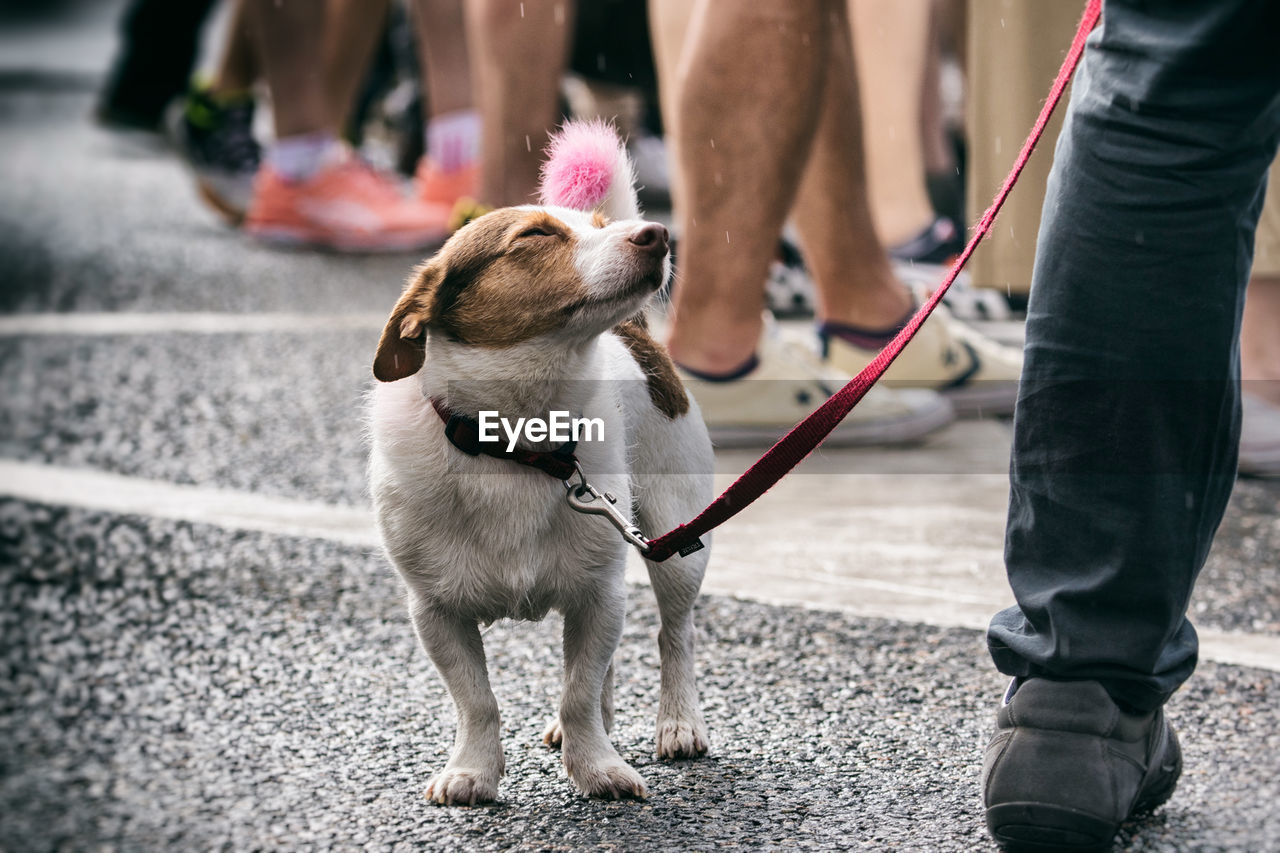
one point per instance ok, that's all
(528, 311)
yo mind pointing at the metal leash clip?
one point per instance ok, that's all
(587, 499)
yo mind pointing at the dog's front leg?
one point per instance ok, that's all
(455, 647)
(592, 630)
(681, 730)
(552, 735)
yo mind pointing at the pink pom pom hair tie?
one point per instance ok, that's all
(587, 168)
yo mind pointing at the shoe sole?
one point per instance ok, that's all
(297, 238)
(1040, 827)
(909, 429)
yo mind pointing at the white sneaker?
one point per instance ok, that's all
(978, 375)
(1259, 437)
(789, 382)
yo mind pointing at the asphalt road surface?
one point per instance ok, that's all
(169, 683)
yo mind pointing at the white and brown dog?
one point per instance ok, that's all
(528, 311)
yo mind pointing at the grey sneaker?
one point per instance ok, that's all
(1067, 766)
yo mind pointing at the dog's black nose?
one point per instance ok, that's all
(650, 238)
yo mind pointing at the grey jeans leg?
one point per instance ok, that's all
(1127, 423)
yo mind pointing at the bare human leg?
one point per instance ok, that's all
(238, 69)
(352, 31)
(890, 39)
(854, 279)
(442, 52)
(519, 51)
(290, 37)
(669, 22)
(453, 131)
(740, 174)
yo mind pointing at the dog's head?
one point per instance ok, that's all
(569, 269)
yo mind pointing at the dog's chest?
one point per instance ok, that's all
(520, 547)
(487, 537)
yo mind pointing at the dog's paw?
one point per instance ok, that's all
(682, 738)
(462, 787)
(611, 780)
(552, 736)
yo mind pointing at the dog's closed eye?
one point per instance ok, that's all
(536, 231)
(538, 227)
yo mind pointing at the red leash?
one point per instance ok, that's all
(809, 433)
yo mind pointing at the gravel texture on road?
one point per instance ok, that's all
(279, 414)
(170, 686)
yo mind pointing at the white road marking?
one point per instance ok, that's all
(945, 567)
(99, 490)
(223, 323)
(199, 323)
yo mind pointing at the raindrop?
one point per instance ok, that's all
(528, 146)
(522, 10)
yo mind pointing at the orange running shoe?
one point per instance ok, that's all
(345, 206)
(434, 186)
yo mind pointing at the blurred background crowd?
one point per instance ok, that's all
(816, 159)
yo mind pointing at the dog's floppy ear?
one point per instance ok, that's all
(401, 349)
